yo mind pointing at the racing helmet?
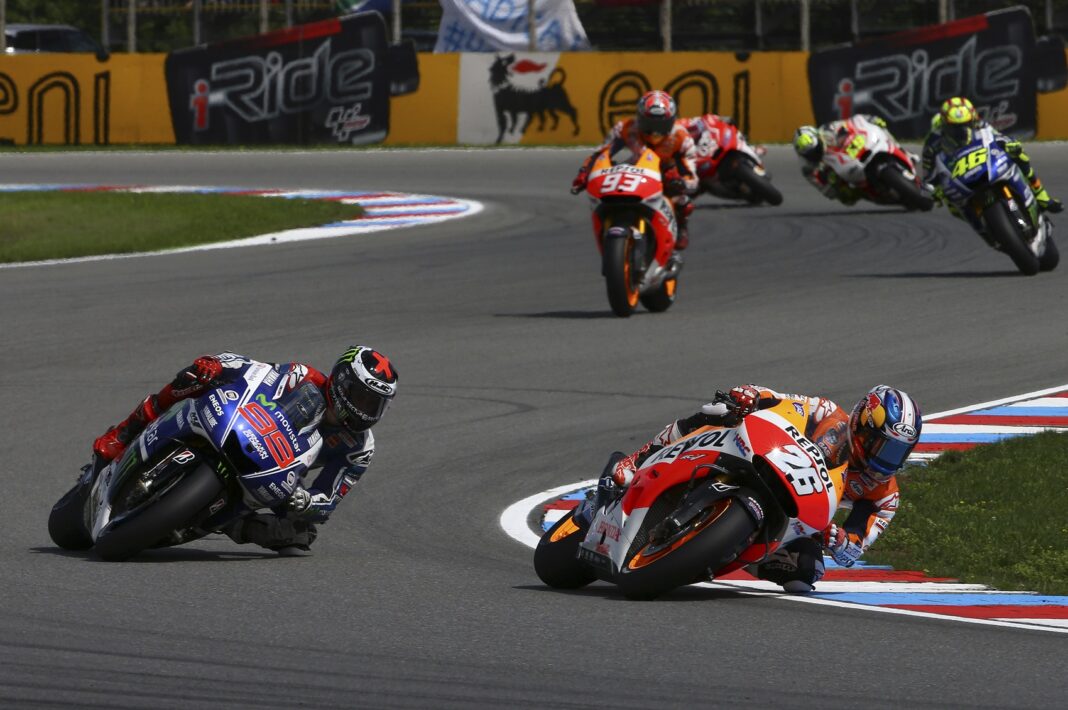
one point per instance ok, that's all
(884, 427)
(656, 116)
(808, 144)
(361, 386)
(959, 119)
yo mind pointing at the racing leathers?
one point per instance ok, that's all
(933, 145)
(822, 176)
(341, 461)
(798, 565)
(678, 166)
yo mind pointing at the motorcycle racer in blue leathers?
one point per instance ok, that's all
(358, 391)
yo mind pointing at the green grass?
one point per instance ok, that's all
(996, 515)
(54, 225)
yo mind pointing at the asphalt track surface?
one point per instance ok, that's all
(514, 379)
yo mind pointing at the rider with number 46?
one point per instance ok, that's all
(985, 178)
(262, 452)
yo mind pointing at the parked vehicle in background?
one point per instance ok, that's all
(32, 39)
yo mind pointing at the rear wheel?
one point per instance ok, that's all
(1004, 230)
(165, 512)
(66, 522)
(620, 275)
(760, 187)
(908, 192)
(554, 558)
(1049, 260)
(709, 541)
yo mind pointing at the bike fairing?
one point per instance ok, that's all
(872, 503)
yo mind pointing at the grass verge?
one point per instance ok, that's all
(58, 225)
(996, 515)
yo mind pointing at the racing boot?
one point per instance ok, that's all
(110, 445)
(1045, 202)
(683, 209)
(797, 566)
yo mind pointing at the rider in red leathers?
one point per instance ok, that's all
(357, 392)
(655, 126)
(876, 439)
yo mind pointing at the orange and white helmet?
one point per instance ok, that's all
(656, 116)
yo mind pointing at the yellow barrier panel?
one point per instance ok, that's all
(74, 99)
(429, 115)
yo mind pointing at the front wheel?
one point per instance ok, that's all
(1003, 229)
(554, 558)
(760, 187)
(620, 275)
(1051, 257)
(911, 195)
(66, 522)
(174, 508)
(710, 541)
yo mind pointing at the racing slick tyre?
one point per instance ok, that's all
(66, 522)
(161, 514)
(1002, 228)
(1051, 257)
(708, 542)
(661, 299)
(911, 195)
(554, 558)
(760, 187)
(620, 275)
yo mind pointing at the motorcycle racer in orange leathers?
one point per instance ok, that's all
(655, 126)
(875, 440)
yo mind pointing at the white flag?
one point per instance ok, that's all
(501, 25)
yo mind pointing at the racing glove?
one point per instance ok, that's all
(845, 548)
(202, 373)
(299, 502)
(745, 398)
(579, 183)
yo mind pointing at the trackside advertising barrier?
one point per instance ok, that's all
(993, 59)
(475, 99)
(575, 97)
(325, 82)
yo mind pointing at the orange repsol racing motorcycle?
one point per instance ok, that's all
(634, 224)
(718, 499)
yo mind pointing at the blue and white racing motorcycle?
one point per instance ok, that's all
(239, 447)
(988, 187)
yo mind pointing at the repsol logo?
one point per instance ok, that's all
(260, 88)
(710, 439)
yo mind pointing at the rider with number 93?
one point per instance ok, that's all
(876, 440)
(657, 127)
(357, 393)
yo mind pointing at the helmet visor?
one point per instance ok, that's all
(886, 456)
(656, 127)
(957, 136)
(361, 407)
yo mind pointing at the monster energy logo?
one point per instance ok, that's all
(350, 355)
